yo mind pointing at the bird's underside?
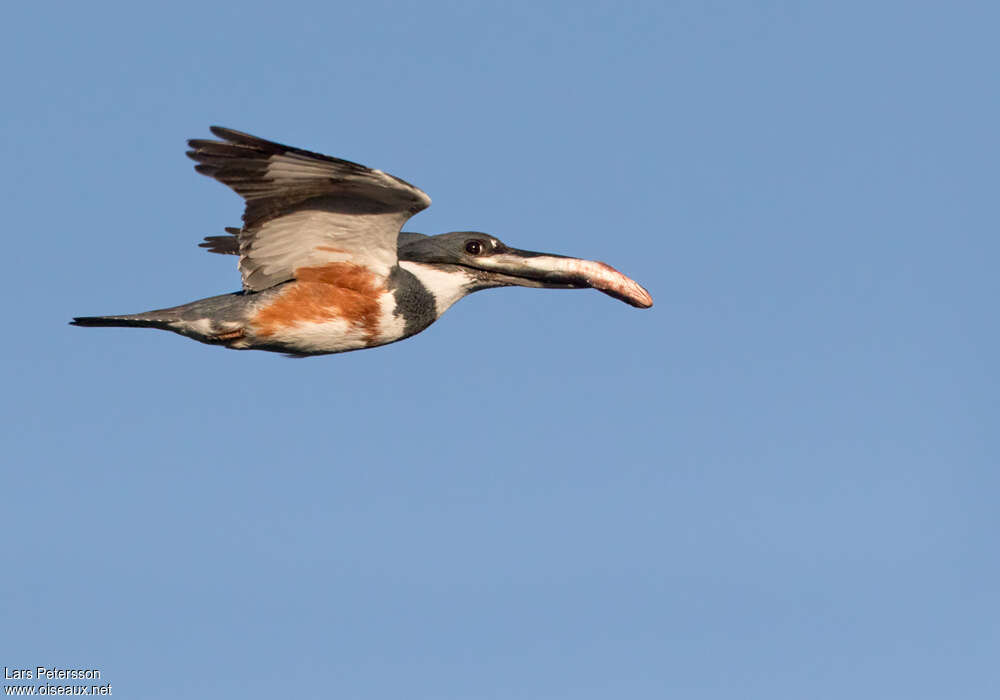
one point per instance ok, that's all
(325, 267)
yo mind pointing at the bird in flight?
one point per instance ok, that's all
(326, 267)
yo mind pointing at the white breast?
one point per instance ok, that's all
(446, 287)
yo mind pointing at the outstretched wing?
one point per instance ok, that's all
(305, 209)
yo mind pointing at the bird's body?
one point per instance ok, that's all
(325, 267)
(329, 308)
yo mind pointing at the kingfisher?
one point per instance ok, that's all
(326, 267)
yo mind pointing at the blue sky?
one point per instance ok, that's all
(780, 482)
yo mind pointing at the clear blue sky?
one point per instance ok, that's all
(780, 482)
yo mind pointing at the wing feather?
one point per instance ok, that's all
(229, 244)
(304, 208)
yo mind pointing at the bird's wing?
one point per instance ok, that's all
(228, 244)
(304, 209)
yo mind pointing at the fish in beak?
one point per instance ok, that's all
(529, 269)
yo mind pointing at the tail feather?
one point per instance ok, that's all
(130, 321)
(210, 320)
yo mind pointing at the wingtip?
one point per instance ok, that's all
(226, 134)
(220, 131)
(233, 136)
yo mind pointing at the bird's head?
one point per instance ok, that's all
(488, 262)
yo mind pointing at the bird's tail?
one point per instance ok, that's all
(206, 320)
(144, 320)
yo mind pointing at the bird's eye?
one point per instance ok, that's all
(474, 247)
